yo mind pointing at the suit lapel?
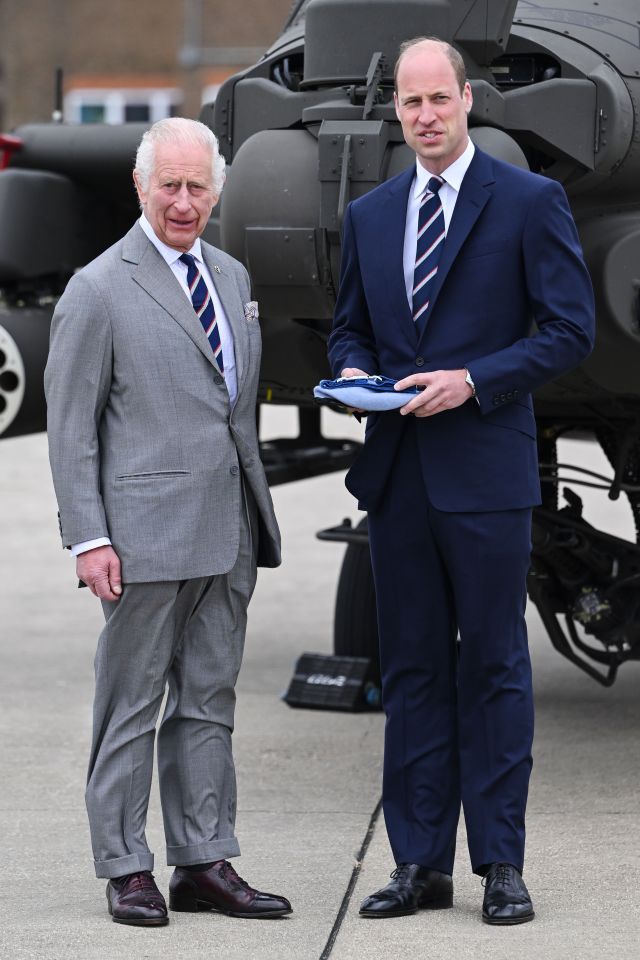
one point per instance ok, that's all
(471, 200)
(227, 291)
(156, 278)
(393, 220)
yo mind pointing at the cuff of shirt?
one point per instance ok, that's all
(89, 545)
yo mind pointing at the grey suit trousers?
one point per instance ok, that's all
(186, 637)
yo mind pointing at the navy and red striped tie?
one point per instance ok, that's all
(431, 234)
(203, 306)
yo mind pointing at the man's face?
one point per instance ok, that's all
(430, 107)
(179, 198)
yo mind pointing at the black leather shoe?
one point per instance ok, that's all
(506, 898)
(412, 888)
(220, 888)
(135, 899)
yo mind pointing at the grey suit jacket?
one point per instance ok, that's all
(144, 446)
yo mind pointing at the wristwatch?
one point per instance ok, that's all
(469, 380)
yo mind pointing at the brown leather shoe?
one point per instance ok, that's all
(220, 888)
(135, 899)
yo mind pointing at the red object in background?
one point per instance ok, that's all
(8, 145)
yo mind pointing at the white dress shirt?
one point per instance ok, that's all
(453, 177)
(179, 269)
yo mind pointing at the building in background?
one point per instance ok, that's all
(124, 61)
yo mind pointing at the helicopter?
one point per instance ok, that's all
(312, 126)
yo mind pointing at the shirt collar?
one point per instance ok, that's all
(169, 254)
(453, 175)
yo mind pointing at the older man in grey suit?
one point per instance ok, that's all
(151, 388)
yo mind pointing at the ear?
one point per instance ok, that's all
(467, 96)
(142, 195)
(396, 104)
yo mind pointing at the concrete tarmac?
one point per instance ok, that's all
(309, 782)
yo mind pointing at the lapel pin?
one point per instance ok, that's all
(216, 268)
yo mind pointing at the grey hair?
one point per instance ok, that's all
(179, 130)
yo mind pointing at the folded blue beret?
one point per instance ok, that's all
(364, 393)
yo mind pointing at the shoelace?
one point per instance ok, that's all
(501, 875)
(229, 874)
(400, 871)
(139, 882)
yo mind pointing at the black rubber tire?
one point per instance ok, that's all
(355, 622)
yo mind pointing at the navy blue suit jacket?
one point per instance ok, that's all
(513, 303)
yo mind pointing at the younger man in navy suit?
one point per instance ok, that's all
(444, 268)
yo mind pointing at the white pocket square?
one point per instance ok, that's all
(251, 310)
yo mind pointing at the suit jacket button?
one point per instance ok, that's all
(419, 361)
(234, 470)
(218, 379)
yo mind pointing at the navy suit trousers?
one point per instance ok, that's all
(459, 725)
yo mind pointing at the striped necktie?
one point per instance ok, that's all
(431, 234)
(203, 306)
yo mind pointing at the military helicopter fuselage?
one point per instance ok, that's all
(556, 89)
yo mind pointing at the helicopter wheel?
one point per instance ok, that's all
(355, 621)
